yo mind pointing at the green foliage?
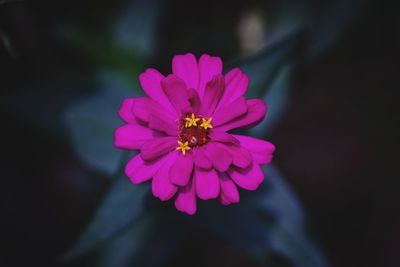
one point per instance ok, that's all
(121, 208)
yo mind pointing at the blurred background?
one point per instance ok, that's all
(327, 69)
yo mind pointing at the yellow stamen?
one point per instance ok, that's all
(191, 121)
(206, 123)
(183, 146)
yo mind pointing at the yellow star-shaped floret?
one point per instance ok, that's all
(206, 123)
(183, 146)
(191, 121)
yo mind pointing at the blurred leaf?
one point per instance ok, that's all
(103, 50)
(130, 40)
(287, 234)
(91, 123)
(268, 221)
(263, 67)
(323, 22)
(277, 98)
(147, 243)
(136, 27)
(237, 224)
(121, 207)
(123, 250)
(328, 20)
(7, 43)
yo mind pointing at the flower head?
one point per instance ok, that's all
(182, 131)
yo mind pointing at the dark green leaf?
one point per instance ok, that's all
(126, 247)
(267, 222)
(92, 122)
(263, 67)
(147, 243)
(277, 98)
(121, 208)
(329, 21)
(287, 234)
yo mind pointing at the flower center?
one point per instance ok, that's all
(193, 132)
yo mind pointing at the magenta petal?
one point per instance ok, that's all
(261, 151)
(177, 93)
(156, 148)
(161, 186)
(185, 67)
(220, 157)
(224, 200)
(229, 112)
(207, 183)
(162, 125)
(195, 101)
(140, 171)
(223, 137)
(132, 136)
(200, 159)
(181, 169)
(249, 178)
(228, 189)
(241, 156)
(150, 80)
(212, 94)
(236, 83)
(208, 67)
(255, 113)
(125, 112)
(144, 107)
(186, 199)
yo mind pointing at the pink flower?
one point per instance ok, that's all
(181, 129)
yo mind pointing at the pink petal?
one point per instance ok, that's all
(153, 149)
(140, 171)
(177, 93)
(125, 112)
(132, 136)
(223, 137)
(161, 185)
(181, 169)
(228, 189)
(150, 80)
(207, 183)
(186, 200)
(185, 67)
(200, 159)
(229, 112)
(249, 178)
(195, 101)
(220, 157)
(241, 156)
(208, 67)
(255, 113)
(212, 94)
(144, 107)
(260, 150)
(163, 125)
(236, 83)
(224, 200)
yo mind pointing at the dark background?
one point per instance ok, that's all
(337, 141)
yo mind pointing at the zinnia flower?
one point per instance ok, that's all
(182, 131)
